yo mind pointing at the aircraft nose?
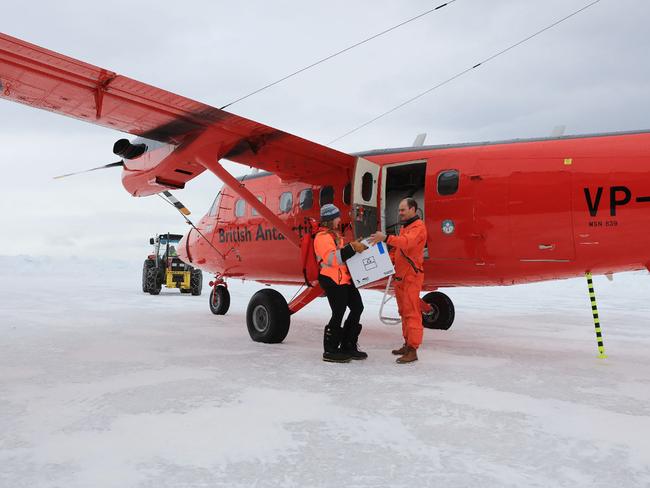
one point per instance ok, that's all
(182, 250)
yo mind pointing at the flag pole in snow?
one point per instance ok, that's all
(594, 311)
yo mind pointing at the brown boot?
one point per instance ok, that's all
(401, 351)
(410, 356)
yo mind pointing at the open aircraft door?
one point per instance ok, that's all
(364, 198)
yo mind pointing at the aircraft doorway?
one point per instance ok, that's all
(402, 180)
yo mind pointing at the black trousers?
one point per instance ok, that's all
(341, 297)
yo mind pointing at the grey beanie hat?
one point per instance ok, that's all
(329, 212)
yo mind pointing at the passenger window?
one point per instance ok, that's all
(366, 186)
(253, 211)
(286, 202)
(306, 199)
(346, 193)
(448, 182)
(240, 208)
(326, 195)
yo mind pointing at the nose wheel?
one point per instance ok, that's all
(442, 312)
(219, 300)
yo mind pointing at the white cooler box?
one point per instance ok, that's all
(371, 265)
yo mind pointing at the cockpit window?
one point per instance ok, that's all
(240, 208)
(213, 208)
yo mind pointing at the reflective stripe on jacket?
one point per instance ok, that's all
(328, 254)
(409, 254)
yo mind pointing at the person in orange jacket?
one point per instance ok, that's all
(339, 343)
(409, 276)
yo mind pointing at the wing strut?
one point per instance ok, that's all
(211, 163)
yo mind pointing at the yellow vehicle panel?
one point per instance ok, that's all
(173, 280)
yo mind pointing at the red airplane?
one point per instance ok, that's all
(497, 213)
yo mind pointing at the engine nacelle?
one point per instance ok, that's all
(127, 150)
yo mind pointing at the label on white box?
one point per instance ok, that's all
(371, 265)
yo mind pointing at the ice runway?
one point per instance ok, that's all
(103, 386)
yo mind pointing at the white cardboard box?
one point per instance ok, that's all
(371, 265)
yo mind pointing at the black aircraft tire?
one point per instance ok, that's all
(443, 311)
(196, 282)
(220, 304)
(153, 283)
(268, 317)
(148, 263)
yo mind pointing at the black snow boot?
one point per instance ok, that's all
(350, 338)
(331, 345)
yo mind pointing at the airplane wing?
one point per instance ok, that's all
(44, 79)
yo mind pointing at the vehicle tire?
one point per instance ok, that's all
(186, 290)
(148, 263)
(154, 284)
(219, 300)
(268, 317)
(196, 282)
(442, 311)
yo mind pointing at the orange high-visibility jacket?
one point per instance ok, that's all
(409, 252)
(328, 253)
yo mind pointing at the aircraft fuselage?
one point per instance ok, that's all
(496, 213)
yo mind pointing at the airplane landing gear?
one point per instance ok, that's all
(219, 300)
(219, 297)
(268, 317)
(442, 311)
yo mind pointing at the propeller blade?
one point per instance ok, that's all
(110, 165)
(177, 203)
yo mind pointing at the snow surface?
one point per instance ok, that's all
(104, 386)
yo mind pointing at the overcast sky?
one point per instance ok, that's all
(591, 73)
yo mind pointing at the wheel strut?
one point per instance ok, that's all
(219, 296)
